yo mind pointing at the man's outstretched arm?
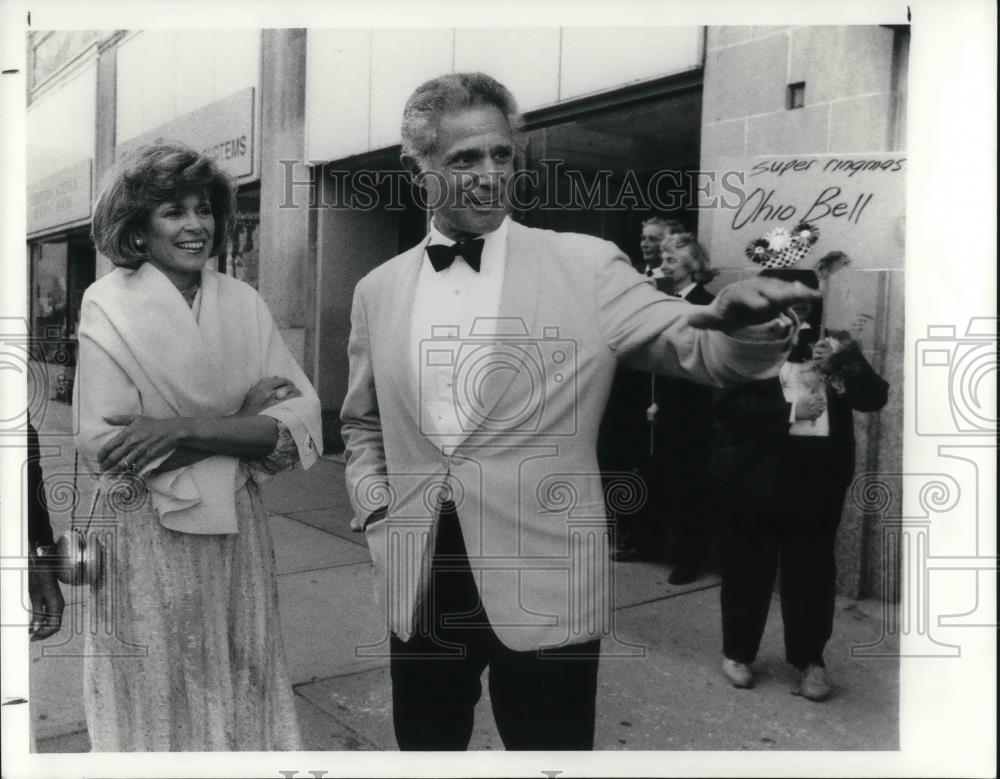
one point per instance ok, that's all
(742, 336)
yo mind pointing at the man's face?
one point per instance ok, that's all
(803, 310)
(468, 171)
(650, 243)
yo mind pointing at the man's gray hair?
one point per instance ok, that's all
(447, 93)
(670, 226)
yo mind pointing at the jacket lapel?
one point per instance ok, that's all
(517, 315)
(399, 305)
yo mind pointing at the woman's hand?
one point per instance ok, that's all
(266, 393)
(810, 406)
(822, 351)
(142, 440)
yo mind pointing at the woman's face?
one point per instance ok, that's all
(650, 243)
(179, 235)
(803, 310)
(676, 264)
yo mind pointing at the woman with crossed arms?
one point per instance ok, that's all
(187, 397)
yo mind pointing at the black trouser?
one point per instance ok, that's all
(797, 532)
(646, 530)
(541, 700)
(688, 506)
(676, 512)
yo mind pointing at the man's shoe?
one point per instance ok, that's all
(815, 684)
(683, 575)
(738, 674)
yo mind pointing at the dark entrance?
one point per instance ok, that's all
(606, 163)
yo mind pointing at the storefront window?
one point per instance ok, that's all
(49, 280)
(240, 258)
(60, 272)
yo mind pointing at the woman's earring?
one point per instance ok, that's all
(138, 242)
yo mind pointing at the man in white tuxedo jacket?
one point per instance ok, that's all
(480, 364)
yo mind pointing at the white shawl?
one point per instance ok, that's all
(143, 351)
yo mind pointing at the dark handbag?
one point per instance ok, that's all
(80, 553)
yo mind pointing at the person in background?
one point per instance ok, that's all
(623, 447)
(785, 451)
(654, 230)
(187, 398)
(681, 414)
(626, 438)
(47, 603)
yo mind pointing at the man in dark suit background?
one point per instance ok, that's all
(682, 415)
(626, 439)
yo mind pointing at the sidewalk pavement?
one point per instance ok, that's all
(670, 697)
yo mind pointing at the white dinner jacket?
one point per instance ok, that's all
(525, 480)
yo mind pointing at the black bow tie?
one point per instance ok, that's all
(443, 256)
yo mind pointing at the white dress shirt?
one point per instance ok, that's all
(446, 304)
(686, 291)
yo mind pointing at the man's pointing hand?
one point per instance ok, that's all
(751, 302)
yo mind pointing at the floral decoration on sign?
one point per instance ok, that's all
(805, 233)
(758, 251)
(778, 238)
(780, 248)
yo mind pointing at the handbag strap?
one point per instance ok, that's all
(97, 495)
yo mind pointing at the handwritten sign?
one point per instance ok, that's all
(855, 200)
(223, 130)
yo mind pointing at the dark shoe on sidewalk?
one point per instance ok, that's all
(683, 574)
(815, 684)
(738, 674)
(626, 554)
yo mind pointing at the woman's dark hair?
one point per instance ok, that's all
(154, 174)
(803, 275)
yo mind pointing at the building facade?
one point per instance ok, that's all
(307, 121)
